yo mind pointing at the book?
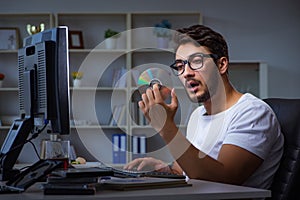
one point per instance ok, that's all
(139, 146)
(135, 76)
(141, 183)
(134, 113)
(69, 189)
(74, 180)
(82, 172)
(142, 146)
(135, 150)
(118, 116)
(119, 78)
(122, 149)
(119, 148)
(116, 144)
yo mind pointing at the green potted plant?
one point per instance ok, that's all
(111, 33)
(163, 33)
(162, 29)
(111, 37)
(2, 76)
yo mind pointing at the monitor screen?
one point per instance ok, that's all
(43, 64)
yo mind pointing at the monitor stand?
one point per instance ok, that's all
(12, 146)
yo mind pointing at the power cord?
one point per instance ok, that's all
(34, 135)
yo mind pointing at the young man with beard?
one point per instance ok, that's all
(231, 137)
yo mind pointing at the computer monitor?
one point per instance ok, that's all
(43, 64)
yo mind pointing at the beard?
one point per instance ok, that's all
(209, 89)
(200, 98)
(204, 97)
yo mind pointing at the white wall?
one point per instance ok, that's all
(266, 30)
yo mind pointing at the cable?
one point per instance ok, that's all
(34, 135)
(35, 150)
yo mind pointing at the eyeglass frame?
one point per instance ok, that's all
(184, 62)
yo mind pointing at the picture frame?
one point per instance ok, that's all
(75, 40)
(9, 38)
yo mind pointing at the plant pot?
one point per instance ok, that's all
(163, 42)
(76, 82)
(111, 43)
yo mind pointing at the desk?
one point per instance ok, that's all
(199, 190)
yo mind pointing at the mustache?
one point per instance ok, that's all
(190, 82)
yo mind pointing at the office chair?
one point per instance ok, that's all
(287, 177)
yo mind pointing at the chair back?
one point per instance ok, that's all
(287, 177)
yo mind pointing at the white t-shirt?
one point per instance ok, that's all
(250, 124)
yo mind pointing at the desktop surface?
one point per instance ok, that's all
(199, 190)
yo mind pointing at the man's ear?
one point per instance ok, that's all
(223, 65)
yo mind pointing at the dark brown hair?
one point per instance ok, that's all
(201, 35)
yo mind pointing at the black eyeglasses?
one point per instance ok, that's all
(195, 62)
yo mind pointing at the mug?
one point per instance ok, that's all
(58, 150)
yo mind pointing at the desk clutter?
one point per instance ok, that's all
(89, 186)
(96, 177)
(87, 179)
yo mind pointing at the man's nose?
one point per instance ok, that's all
(187, 70)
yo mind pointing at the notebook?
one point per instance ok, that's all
(35, 173)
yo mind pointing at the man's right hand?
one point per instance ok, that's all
(147, 164)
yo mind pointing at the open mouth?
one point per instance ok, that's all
(192, 85)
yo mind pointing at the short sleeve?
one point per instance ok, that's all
(254, 128)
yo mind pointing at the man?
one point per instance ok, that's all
(232, 137)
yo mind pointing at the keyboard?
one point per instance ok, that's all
(120, 172)
(133, 173)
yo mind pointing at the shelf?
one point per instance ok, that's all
(122, 51)
(95, 50)
(97, 89)
(149, 127)
(9, 51)
(9, 89)
(4, 127)
(97, 127)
